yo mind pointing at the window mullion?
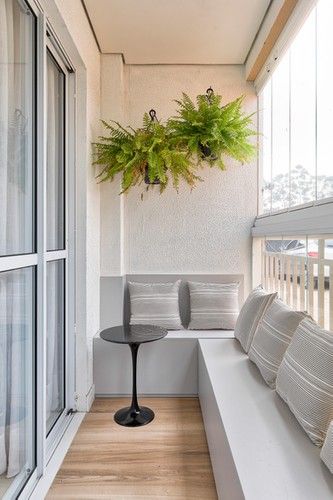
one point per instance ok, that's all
(316, 104)
(17, 261)
(41, 245)
(271, 138)
(290, 75)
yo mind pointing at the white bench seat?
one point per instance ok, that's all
(200, 334)
(257, 448)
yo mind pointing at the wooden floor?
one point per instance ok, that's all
(168, 458)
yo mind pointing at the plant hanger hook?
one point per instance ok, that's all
(209, 94)
(152, 114)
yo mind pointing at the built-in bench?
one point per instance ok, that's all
(257, 448)
(166, 367)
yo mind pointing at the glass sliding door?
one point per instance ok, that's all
(56, 241)
(17, 377)
(37, 271)
(55, 344)
(55, 168)
(18, 260)
(17, 100)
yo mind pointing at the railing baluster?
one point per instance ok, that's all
(266, 271)
(310, 287)
(295, 274)
(282, 294)
(287, 268)
(302, 284)
(263, 259)
(276, 273)
(331, 295)
(321, 283)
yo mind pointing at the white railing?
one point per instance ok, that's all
(303, 282)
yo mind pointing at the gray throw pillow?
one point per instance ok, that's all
(251, 313)
(155, 304)
(273, 335)
(213, 305)
(305, 379)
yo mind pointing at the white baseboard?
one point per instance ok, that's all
(90, 397)
(57, 458)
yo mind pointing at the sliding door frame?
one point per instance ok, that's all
(49, 19)
(66, 255)
(45, 40)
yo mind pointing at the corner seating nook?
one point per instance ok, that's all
(258, 450)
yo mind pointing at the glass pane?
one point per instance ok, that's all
(55, 156)
(17, 97)
(280, 135)
(265, 106)
(324, 99)
(17, 379)
(303, 114)
(55, 372)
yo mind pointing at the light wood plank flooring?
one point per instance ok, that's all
(168, 458)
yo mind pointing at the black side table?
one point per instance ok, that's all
(134, 415)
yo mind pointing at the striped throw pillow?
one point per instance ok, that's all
(273, 336)
(326, 453)
(305, 379)
(213, 305)
(252, 311)
(155, 304)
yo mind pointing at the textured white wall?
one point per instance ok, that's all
(77, 24)
(207, 230)
(113, 107)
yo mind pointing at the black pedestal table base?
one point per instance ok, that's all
(134, 415)
(130, 417)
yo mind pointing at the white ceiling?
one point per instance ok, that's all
(177, 31)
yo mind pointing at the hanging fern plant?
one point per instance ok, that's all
(158, 153)
(145, 155)
(212, 132)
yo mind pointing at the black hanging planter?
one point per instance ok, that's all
(147, 180)
(205, 150)
(152, 114)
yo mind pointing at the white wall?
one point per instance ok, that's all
(78, 27)
(204, 231)
(113, 107)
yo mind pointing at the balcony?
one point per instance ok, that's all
(166, 180)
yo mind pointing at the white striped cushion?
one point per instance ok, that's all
(273, 335)
(305, 379)
(213, 305)
(252, 311)
(326, 453)
(155, 304)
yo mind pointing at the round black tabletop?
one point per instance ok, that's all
(133, 334)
